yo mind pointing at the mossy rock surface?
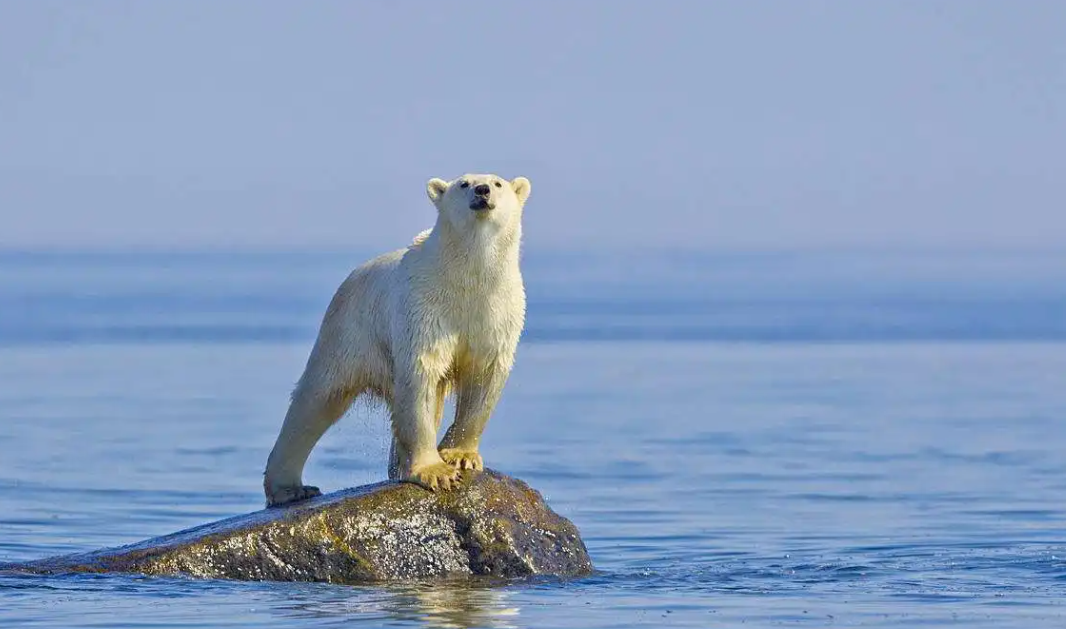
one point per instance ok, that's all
(493, 525)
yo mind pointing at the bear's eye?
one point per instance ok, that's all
(499, 185)
(465, 184)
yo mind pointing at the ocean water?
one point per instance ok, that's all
(760, 439)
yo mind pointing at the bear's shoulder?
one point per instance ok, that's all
(420, 238)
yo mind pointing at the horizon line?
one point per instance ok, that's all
(653, 249)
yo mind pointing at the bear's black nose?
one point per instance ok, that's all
(482, 189)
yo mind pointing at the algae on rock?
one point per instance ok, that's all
(492, 525)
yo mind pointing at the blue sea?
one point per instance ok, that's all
(766, 439)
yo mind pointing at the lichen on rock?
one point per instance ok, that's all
(492, 525)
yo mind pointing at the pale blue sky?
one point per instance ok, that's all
(689, 124)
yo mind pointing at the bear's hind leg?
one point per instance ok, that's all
(310, 414)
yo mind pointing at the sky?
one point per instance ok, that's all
(682, 125)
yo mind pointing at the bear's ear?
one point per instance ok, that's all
(436, 188)
(521, 187)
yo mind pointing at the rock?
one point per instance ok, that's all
(493, 525)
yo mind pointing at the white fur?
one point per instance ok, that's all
(410, 326)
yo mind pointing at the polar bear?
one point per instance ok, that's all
(408, 328)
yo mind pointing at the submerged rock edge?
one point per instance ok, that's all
(493, 525)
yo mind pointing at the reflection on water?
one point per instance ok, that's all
(454, 606)
(459, 605)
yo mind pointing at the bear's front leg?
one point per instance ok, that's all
(414, 427)
(478, 395)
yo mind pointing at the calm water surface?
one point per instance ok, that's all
(761, 452)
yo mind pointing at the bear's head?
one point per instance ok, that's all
(473, 200)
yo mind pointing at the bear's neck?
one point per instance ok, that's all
(479, 254)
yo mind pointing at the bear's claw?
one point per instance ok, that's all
(462, 459)
(286, 495)
(436, 476)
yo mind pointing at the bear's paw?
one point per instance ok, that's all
(436, 476)
(462, 459)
